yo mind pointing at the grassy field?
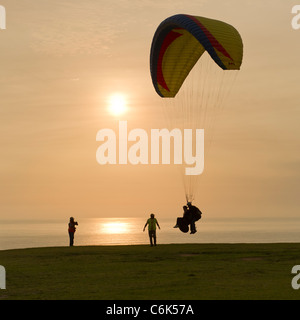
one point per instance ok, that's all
(183, 271)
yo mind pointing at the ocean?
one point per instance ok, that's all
(16, 234)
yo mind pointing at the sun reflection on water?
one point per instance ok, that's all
(115, 227)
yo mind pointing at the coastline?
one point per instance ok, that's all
(128, 231)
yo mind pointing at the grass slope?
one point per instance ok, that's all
(181, 271)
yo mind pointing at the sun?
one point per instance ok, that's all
(117, 104)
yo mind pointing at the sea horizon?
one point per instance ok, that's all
(30, 233)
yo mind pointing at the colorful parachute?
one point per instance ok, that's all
(181, 40)
(189, 62)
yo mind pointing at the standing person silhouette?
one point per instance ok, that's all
(152, 222)
(72, 230)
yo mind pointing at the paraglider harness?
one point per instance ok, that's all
(192, 215)
(196, 213)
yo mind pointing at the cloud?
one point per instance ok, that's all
(73, 27)
(91, 27)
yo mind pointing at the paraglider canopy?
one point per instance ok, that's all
(194, 61)
(180, 41)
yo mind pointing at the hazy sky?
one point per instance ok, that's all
(62, 60)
